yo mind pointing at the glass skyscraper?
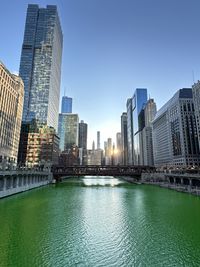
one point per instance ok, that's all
(68, 130)
(40, 66)
(82, 137)
(139, 100)
(66, 104)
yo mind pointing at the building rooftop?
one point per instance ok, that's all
(181, 93)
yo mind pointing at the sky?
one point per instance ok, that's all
(112, 47)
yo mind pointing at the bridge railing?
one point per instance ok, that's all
(100, 170)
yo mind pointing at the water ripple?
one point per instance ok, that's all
(100, 222)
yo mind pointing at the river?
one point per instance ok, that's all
(98, 221)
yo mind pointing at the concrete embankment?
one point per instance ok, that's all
(13, 182)
(130, 179)
(186, 183)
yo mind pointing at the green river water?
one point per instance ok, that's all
(95, 221)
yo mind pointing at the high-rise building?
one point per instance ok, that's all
(146, 133)
(196, 99)
(40, 65)
(118, 156)
(94, 157)
(98, 140)
(124, 138)
(66, 104)
(11, 107)
(139, 99)
(109, 148)
(68, 130)
(130, 134)
(82, 135)
(175, 141)
(39, 145)
(108, 151)
(70, 157)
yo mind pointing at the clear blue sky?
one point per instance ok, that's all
(112, 47)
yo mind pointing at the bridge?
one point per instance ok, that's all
(95, 170)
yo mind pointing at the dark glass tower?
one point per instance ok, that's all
(40, 66)
(139, 100)
(82, 139)
(66, 104)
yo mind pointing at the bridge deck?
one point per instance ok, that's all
(59, 171)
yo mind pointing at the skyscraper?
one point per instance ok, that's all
(175, 141)
(11, 106)
(40, 65)
(139, 99)
(108, 152)
(130, 130)
(82, 135)
(196, 99)
(146, 133)
(124, 138)
(68, 130)
(98, 140)
(66, 104)
(119, 147)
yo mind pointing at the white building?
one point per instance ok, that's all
(175, 141)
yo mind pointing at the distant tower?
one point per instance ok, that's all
(66, 104)
(68, 128)
(82, 139)
(109, 142)
(93, 145)
(124, 138)
(98, 140)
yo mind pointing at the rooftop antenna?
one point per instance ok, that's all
(65, 91)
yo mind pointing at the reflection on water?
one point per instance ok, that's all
(99, 221)
(101, 181)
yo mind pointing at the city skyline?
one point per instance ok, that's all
(106, 57)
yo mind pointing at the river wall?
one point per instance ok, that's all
(181, 182)
(155, 176)
(13, 182)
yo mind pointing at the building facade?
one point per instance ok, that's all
(175, 139)
(39, 145)
(68, 128)
(150, 110)
(94, 157)
(119, 149)
(130, 134)
(11, 108)
(66, 106)
(69, 157)
(98, 140)
(139, 100)
(40, 65)
(82, 135)
(196, 99)
(124, 138)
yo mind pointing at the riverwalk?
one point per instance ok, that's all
(177, 187)
(17, 181)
